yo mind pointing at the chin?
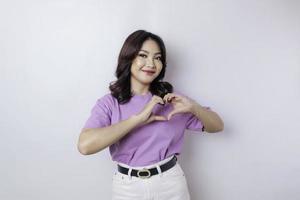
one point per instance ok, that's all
(146, 82)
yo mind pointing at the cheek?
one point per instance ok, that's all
(159, 65)
(136, 66)
(140, 62)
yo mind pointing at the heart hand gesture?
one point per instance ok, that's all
(146, 116)
(181, 104)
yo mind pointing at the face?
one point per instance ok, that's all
(147, 65)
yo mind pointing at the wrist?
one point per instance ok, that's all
(136, 119)
(195, 108)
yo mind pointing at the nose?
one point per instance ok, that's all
(150, 62)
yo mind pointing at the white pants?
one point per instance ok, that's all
(169, 185)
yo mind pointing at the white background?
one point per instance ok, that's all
(241, 58)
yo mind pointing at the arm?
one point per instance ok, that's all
(96, 139)
(181, 103)
(210, 120)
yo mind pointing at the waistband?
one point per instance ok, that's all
(148, 166)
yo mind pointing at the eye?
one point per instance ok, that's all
(143, 55)
(158, 58)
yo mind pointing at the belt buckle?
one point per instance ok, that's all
(144, 170)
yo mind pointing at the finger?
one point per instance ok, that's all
(176, 96)
(172, 113)
(172, 96)
(171, 99)
(160, 118)
(168, 97)
(160, 100)
(156, 99)
(156, 118)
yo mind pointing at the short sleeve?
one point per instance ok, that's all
(100, 115)
(193, 123)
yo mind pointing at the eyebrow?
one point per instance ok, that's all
(154, 54)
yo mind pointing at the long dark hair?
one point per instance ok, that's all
(120, 88)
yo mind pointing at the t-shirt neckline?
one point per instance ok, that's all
(148, 94)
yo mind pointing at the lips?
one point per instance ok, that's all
(148, 71)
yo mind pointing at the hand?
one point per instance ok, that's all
(146, 116)
(181, 104)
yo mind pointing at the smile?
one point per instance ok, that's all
(148, 72)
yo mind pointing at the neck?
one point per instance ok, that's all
(138, 88)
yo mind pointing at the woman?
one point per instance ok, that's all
(142, 121)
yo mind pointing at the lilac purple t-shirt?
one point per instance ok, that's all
(148, 144)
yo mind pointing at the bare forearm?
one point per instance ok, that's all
(211, 120)
(94, 140)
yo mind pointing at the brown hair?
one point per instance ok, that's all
(120, 88)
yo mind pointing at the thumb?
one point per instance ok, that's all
(159, 118)
(155, 118)
(172, 113)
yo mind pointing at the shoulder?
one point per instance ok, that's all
(107, 97)
(107, 100)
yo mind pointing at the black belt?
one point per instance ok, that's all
(147, 173)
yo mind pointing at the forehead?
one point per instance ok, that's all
(151, 46)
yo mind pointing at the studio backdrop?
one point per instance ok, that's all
(241, 58)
